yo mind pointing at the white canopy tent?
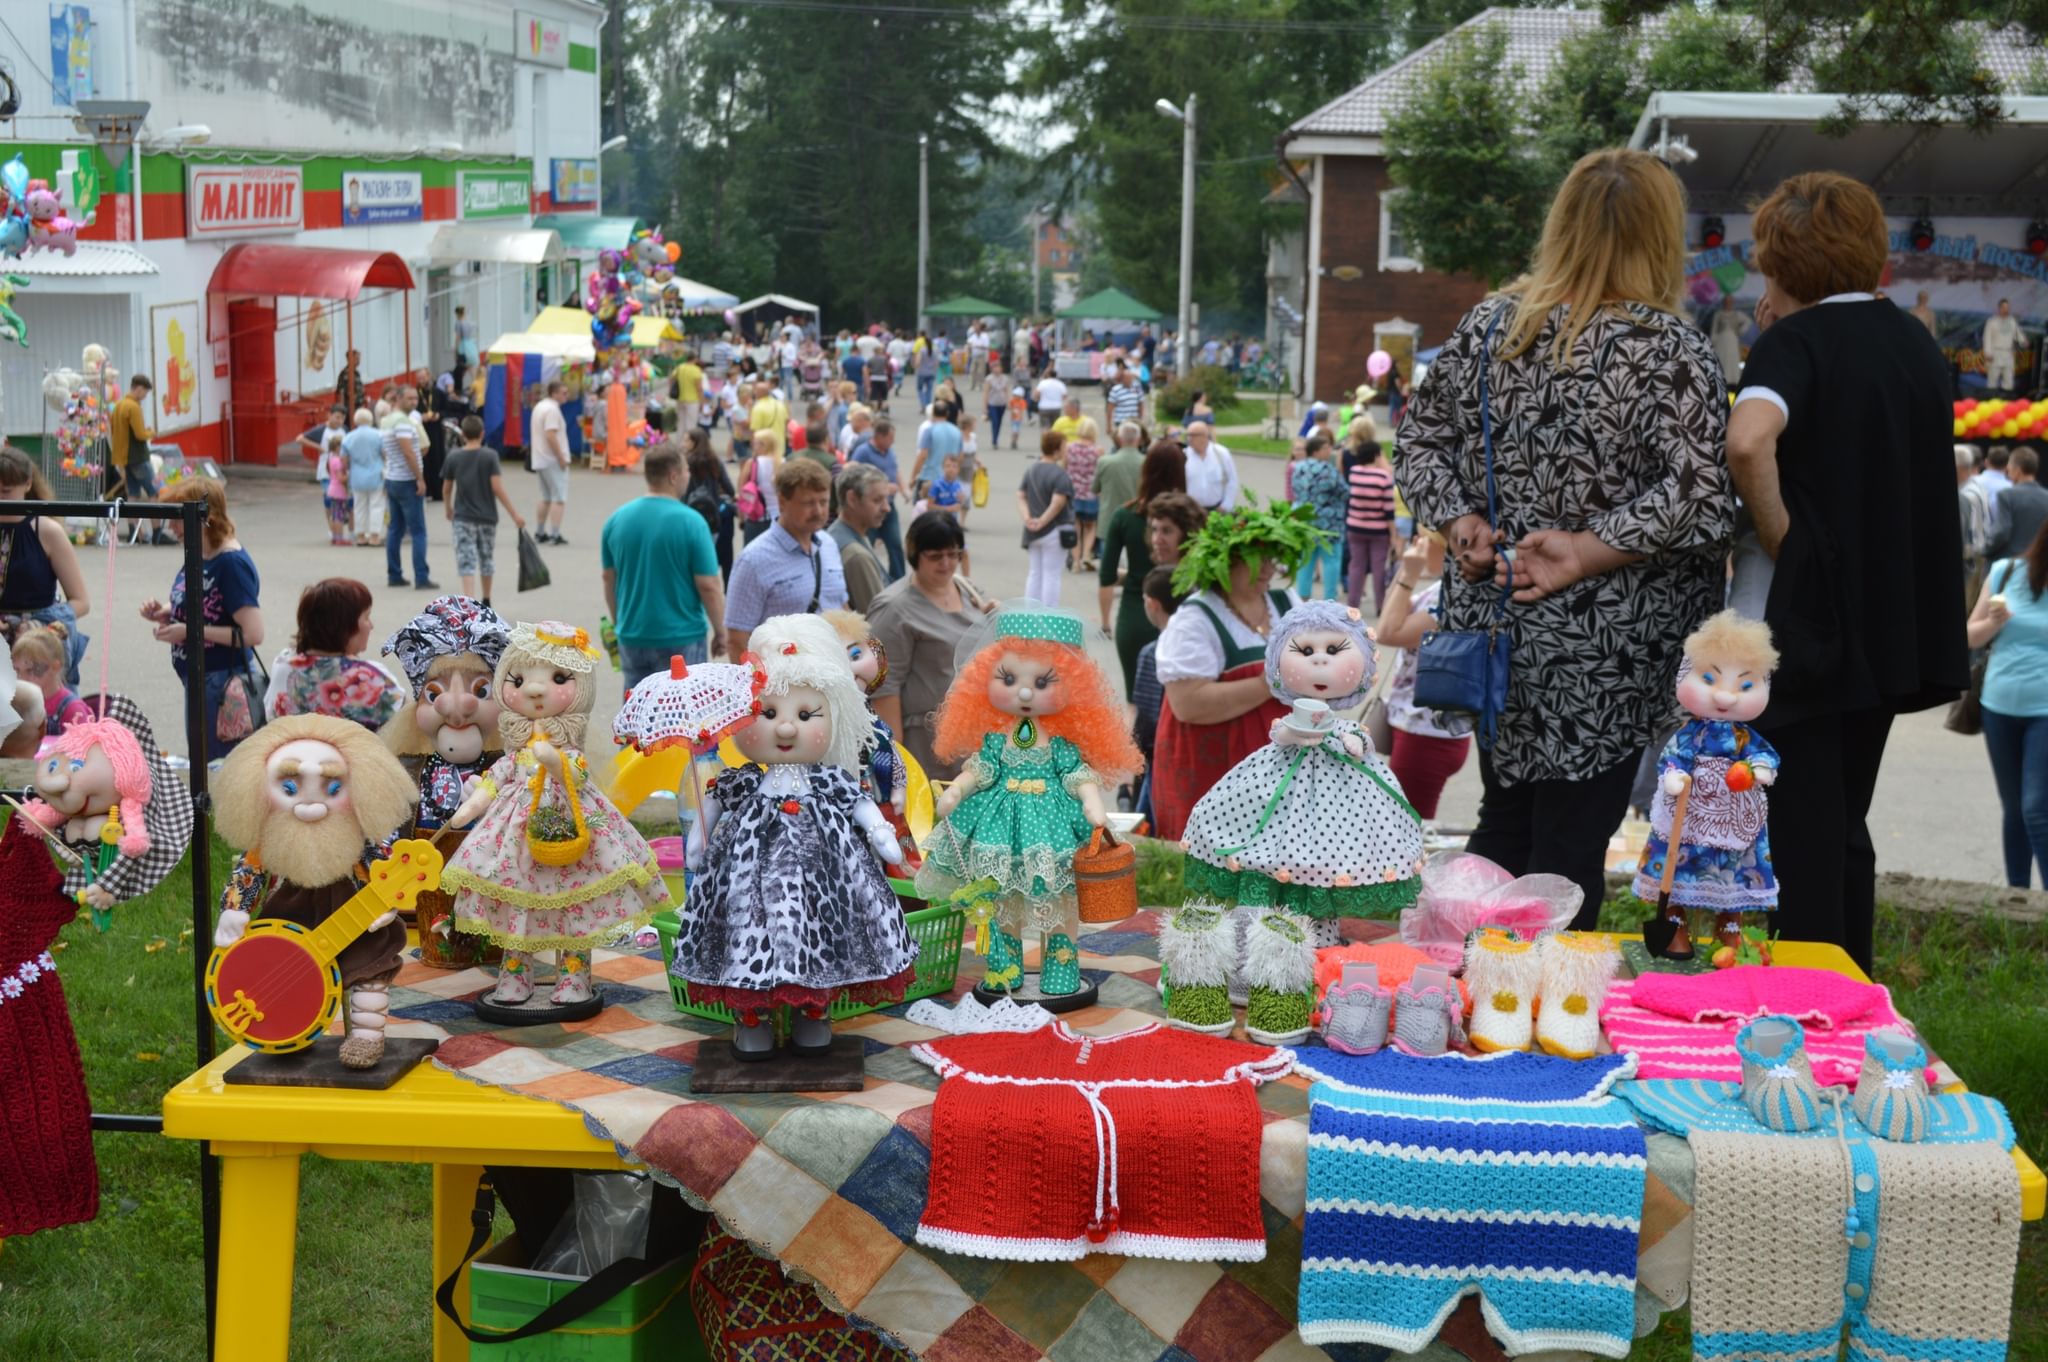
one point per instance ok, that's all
(693, 296)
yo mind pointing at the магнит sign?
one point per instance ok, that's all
(243, 200)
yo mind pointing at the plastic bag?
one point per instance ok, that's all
(533, 572)
(607, 1221)
(1462, 892)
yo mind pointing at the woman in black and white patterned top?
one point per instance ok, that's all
(1613, 490)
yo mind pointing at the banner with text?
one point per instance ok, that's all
(494, 193)
(540, 41)
(243, 200)
(369, 196)
(573, 181)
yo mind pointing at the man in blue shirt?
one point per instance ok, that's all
(792, 569)
(661, 580)
(879, 451)
(854, 369)
(940, 441)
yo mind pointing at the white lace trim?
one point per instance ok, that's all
(1022, 1250)
(13, 985)
(971, 1017)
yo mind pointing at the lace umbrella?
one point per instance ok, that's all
(693, 708)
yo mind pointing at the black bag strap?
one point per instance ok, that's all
(601, 1286)
(817, 575)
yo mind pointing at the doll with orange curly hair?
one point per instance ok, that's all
(1041, 731)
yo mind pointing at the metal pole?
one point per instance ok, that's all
(1037, 230)
(924, 222)
(1183, 355)
(194, 526)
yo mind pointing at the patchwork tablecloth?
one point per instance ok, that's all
(832, 1183)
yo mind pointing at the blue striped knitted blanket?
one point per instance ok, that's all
(1513, 1176)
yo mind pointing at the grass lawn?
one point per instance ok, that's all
(1244, 411)
(127, 1286)
(1260, 445)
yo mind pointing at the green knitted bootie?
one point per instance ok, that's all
(1195, 949)
(1280, 967)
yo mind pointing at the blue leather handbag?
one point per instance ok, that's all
(1466, 672)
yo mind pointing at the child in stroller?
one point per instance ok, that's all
(810, 370)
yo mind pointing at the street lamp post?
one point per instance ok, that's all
(1186, 115)
(924, 223)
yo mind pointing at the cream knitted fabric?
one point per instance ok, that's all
(1502, 974)
(1768, 1252)
(1947, 1245)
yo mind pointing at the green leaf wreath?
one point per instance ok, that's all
(1282, 533)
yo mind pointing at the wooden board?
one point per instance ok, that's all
(720, 1069)
(319, 1066)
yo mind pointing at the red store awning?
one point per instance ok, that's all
(306, 271)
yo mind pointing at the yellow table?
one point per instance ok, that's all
(432, 1117)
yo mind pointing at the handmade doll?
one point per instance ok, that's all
(109, 795)
(1313, 825)
(1039, 731)
(792, 907)
(449, 652)
(1710, 793)
(882, 777)
(310, 801)
(549, 862)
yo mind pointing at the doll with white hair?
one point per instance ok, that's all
(792, 907)
(1722, 766)
(550, 863)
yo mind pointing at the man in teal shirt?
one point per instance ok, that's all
(661, 580)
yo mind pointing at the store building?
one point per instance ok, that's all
(391, 172)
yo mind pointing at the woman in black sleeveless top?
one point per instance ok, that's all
(40, 580)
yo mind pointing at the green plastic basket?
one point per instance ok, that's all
(649, 1321)
(936, 932)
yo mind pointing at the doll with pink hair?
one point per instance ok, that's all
(107, 795)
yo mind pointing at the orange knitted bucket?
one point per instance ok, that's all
(1106, 878)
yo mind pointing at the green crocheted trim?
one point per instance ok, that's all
(1200, 1004)
(477, 926)
(459, 879)
(1250, 889)
(1276, 1013)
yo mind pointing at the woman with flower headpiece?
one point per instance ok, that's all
(1212, 656)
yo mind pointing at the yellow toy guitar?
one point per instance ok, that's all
(278, 987)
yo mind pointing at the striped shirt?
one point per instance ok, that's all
(399, 436)
(1125, 401)
(1372, 498)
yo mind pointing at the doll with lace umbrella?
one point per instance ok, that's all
(695, 707)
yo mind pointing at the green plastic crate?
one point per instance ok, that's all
(936, 932)
(649, 1321)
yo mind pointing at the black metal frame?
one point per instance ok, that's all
(192, 516)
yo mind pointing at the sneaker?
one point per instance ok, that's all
(1891, 1090)
(427, 584)
(397, 581)
(1777, 1078)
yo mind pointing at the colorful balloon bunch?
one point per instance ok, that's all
(14, 224)
(610, 306)
(2001, 420)
(79, 433)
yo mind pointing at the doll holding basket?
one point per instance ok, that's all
(549, 862)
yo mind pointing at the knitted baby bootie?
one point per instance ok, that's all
(1004, 968)
(1059, 970)
(1426, 1019)
(1576, 969)
(1777, 1078)
(1356, 1016)
(1280, 967)
(1891, 1090)
(1502, 974)
(1195, 950)
(1237, 925)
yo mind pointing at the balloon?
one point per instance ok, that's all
(1378, 364)
(732, 318)
(1959, 427)
(674, 250)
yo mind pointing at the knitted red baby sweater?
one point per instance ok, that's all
(1052, 1145)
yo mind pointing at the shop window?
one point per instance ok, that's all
(1396, 251)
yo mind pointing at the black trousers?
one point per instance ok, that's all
(1820, 841)
(1554, 827)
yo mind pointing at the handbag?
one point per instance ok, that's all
(241, 701)
(1966, 711)
(1466, 672)
(752, 505)
(980, 487)
(533, 569)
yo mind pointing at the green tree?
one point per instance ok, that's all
(1474, 191)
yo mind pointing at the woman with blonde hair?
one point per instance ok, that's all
(1608, 508)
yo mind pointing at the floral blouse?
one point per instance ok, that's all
(1628, 441)
(343, 687)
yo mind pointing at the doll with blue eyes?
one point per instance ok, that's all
(882, 777)
(1722, 766)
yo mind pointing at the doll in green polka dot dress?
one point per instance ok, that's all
(1039, 731)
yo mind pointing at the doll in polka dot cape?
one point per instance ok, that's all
(1314, 822)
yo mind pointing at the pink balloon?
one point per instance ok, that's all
(1378, 364)
(732, 318)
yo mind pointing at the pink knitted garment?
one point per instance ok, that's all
(1683, 1026)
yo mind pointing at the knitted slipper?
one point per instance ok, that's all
(1195, 950)
(1891, 1092)
(1237, 926)
(1576, 969)
(1356, 1016)
(1426, 1020)
(1502, 975)
(1280, 968)
(1778, 1088)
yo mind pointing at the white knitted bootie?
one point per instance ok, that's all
(1576, 969)
(1502, 974)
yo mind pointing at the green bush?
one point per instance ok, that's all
(1210, 378)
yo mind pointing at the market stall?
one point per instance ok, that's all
(1112, 317)
(758, 317)
(519, 365)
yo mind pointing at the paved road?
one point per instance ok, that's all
(1936, 813)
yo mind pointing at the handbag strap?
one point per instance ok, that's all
(1500, 608)
(817, 575)
(579, 1301)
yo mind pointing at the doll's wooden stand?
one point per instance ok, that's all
(719, 1068)
(537, 1010)
(319, 1066)
(1028, 993)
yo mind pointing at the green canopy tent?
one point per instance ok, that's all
(590, 232)
(966, 305)
(1110, 305)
